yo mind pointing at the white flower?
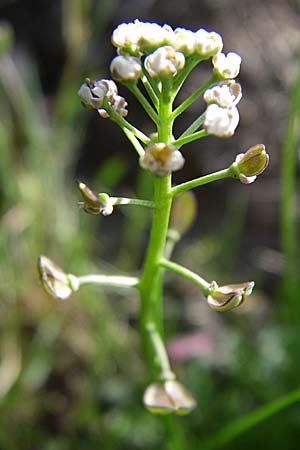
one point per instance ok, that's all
(164, 62)
(126, 35)
(227, 66)
(183, 40)
(207, 43)
(219, 121)
(125, 68)
(161, 159)
(225, 94)
(140, 37)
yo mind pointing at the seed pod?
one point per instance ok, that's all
(169, 397)
(93, 203)
(252, 163)
(54, 280)
(225, 298)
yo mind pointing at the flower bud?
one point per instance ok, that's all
(169, 397)
(161, 159)
(54, 280)
(227, 93)
(183, 40)
(227, 66)
(92, 94)
(207, 43)
(250, 164)
(126, 68)
(165, 62)
(224, 298)
(93, 203)
(221, 122)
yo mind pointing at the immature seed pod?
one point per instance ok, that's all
(250, 164)
(169, 397)
(161, 159)
(225, 298)
(54, 280)
(93, 203)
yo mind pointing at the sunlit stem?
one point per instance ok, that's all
(194, 126)
(150, 91)
(187, 102)
(135, 142)
(109, 280)
(186, 273)
(161, 356)
(186, 139)
(143, 101)
(132, 201)
(225, 173)
(153, 85)
(123, 123)
(178, 80)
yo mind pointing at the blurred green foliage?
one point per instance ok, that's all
(72, 373)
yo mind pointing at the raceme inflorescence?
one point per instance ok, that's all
(153, 62)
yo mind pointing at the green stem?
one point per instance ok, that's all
(135, 142)
(116, 117)
(193, 127)
(187, 102)
(109, 280)
(178, 80)
(186, 273)
(143, 101)
(225, 173)
(132, 201)
(151, 278)
(153, 85)
(160, 354)
(150, 91)
(178, 143)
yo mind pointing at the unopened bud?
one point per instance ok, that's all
(165, 62)
(126, 68)
(208, 43)
(225, 298)
(93, 203)
(226, 93)
(169, 397)
(227, 66)
(161, 159)
(54, 280)
(250, 164)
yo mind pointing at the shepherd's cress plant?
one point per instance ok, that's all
(159, 59)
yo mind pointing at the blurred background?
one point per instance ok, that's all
(72, 373)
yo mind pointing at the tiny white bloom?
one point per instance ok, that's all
(126, 35)
(227, 94)
(183, 40)
(227, 66)
(207, 43)
(125, 68)
(164, 62)
(219, 121)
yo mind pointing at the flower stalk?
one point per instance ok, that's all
(161, 59)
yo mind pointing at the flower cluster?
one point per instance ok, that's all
(141, 38)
